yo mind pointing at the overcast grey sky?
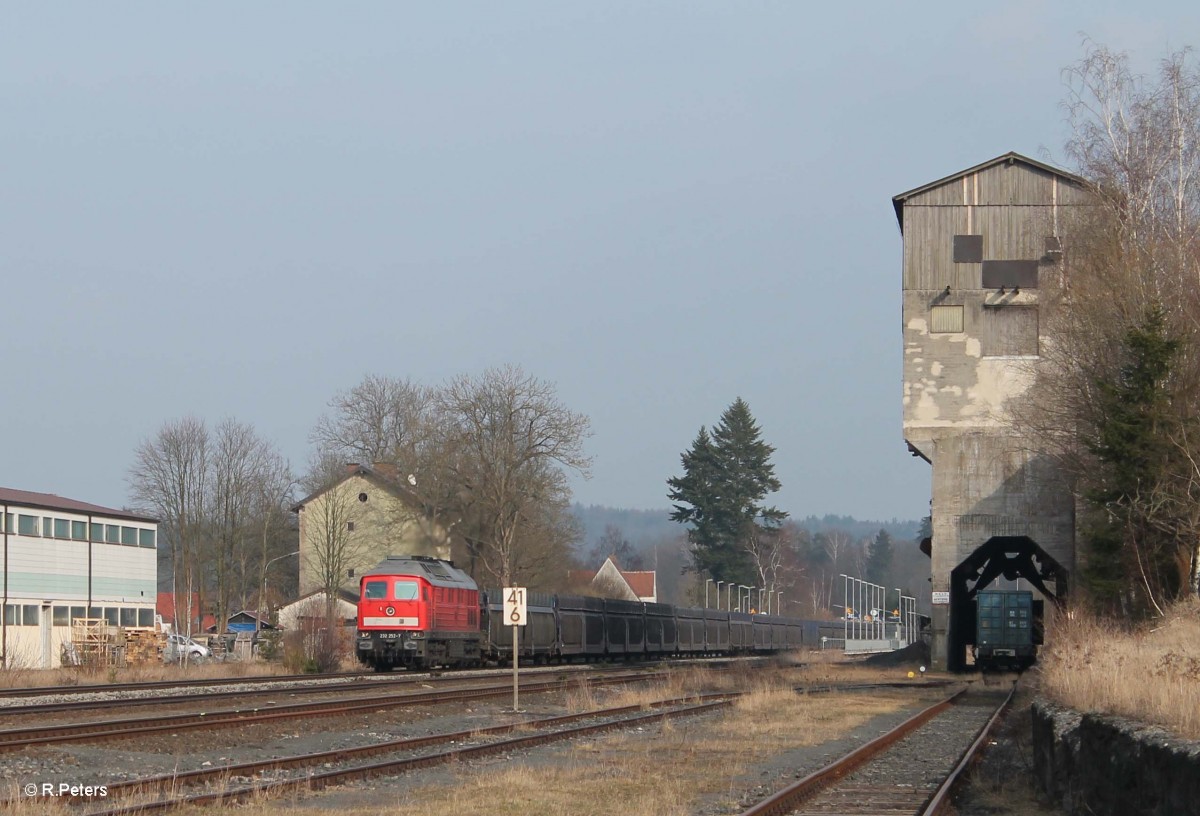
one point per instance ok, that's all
(238, 210)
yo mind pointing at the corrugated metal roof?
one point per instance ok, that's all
(1010, 157)
(49, 501)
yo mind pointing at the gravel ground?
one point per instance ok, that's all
(769, 773)
(991, 794)
(1002, 783)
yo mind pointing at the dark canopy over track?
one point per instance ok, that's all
(1012, 557)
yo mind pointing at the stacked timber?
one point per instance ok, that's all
(97, 643)
(143, 646)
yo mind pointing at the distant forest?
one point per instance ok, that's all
(644, 526)
(825, 546)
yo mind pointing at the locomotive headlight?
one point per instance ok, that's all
(390, 611)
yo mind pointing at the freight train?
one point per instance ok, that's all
(420, 612)
(1008, 630)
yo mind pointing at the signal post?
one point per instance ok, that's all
(514, 614)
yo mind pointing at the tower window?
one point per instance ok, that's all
(946, 320)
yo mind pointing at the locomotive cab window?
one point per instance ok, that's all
(375, 591)
(406, 591)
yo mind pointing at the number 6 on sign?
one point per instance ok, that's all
(514, 606)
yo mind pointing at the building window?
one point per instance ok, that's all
(62, 528)
(145, 617)
(946, 320)
(29, 612)
(77, 612)
(62, 616)
(129, 536)
(1010, 274)
(968, 249)
(97, 531)
(12, 614)
(362, 497)
(350, 526)
(27, 525)
(1009, 332)
(128, 616)
(113, 615)
(47, 527)
(79, 530)
(112, 534)
(146, 538)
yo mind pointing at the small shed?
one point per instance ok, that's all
(245, 621)
(312, 607)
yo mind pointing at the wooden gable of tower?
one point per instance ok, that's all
(988, 226)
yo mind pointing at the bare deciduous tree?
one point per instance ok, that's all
(209, 493)
(169, 478)
(512, 442)
(379, 420)
(485, 460)
(1132, 253)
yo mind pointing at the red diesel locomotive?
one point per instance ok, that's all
(418, 611)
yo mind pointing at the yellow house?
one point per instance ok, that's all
(352, 525)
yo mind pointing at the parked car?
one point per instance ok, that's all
(183, 647)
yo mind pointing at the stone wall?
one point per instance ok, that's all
(1105, 766)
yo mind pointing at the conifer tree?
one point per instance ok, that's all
(726, 476)
(879, 557)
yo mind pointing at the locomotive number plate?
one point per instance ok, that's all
(389, 621)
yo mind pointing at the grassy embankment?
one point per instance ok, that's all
(1149, 672)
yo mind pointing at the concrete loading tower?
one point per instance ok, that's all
(976, 246)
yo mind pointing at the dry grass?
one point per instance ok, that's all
(655, 771)
(665, 770)
(1150, 673)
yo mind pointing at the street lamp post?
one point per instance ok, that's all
(761, 590)
(719, 585)
(262, 587)
(729, 598)
(707, 581)
(740, 588)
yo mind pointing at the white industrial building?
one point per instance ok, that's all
(64, 559)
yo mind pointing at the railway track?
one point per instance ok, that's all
(909, 770)
(19, 738)
(352, 685)
(165, 790)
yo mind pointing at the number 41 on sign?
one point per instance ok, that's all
(514, 606)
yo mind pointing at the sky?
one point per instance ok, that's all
(235, 210)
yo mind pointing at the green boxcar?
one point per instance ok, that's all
(1007, 629)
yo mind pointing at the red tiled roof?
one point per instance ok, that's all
(642, 582)
(165, 606)
(49, 501)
